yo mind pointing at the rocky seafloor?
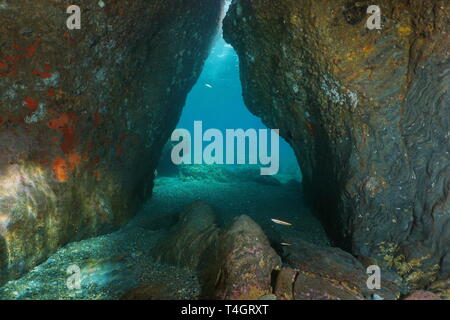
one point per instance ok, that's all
(114, 264)
(224, 246)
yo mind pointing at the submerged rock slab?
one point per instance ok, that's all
(366, 112)
(84, 114)
(326, 273)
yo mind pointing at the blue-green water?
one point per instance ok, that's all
(217, 101)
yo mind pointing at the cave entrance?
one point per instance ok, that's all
(234, 190)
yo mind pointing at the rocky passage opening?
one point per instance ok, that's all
(196, 212)
(161, 253)
(233, 190)
(366, 112)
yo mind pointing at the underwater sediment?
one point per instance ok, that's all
(367, 113)
(84, 114)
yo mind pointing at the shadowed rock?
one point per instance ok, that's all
(366, 112)
(233, 262)
(191, 239)
(441, 288)
(84, 114)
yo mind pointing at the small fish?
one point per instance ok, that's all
(286, 244)
(208, 85)
(283, 223)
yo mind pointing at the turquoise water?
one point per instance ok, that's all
(217, 101)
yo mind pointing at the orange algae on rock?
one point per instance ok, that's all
(60, 169)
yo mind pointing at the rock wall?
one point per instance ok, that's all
(367, 113)
(85, 113)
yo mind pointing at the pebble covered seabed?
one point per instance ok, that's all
(113, 265)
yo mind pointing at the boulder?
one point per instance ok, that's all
(191, 239)
(233, 262)
(326, 273)
(285, 279)
(84, 114)
(243, 263)
(366, 112)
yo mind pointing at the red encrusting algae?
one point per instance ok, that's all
(44, 74)
(31, 104)
(65, 124)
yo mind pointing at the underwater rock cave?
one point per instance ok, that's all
(87, 183)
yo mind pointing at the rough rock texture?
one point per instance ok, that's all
(191, 238)
(441, 288)
(284, 289)
(367, 113)
(233, 262)
(422, 295)
(326, 273)
(85, 113)
(243, 263)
